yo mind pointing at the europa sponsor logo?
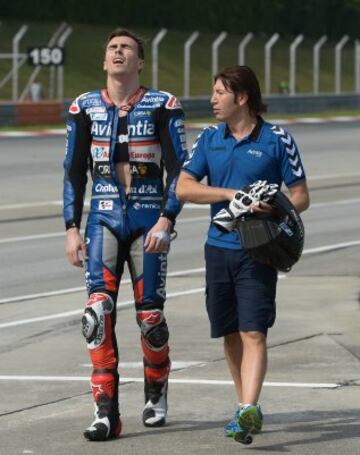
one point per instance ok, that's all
(142, 156)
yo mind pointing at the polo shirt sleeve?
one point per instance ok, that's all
(196, 163)
(292, 169)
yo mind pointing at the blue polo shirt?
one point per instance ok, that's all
(267, 153)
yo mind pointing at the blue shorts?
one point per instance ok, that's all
(240, 292)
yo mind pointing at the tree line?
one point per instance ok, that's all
(287, 17)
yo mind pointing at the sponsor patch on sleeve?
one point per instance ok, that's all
(173, 103)
(74, 108)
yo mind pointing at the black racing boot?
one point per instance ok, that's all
(107, 423)
(155, 410)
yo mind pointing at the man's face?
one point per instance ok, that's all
(121, 57)
(225, 105)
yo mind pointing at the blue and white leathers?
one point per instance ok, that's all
(151, 139)
(155, 139)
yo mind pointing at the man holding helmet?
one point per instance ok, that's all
(242, 152)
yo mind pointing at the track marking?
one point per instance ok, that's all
(66, 314)
(316, 250)
(124, 380)
(175, 364)
(82, 288)
(179, 221)
(125, 304)
(334, 247)
(59, 202)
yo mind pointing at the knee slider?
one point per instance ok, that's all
(93, 320)
(153, 327)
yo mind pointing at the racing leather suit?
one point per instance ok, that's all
(152, 138)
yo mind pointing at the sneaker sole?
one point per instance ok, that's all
(245, 439)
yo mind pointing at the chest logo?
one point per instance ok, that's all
(256, 153)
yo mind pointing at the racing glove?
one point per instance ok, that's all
(241, 203)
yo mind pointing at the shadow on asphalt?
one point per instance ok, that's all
(332, 426)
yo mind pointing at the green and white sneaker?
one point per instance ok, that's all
(251, 418)
(233, 430)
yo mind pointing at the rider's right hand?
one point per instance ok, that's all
(75, 247)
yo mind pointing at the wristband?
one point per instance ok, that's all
(170, 216)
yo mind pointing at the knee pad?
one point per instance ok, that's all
(93, 320)
(153, 328)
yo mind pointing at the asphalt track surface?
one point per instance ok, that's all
(311, 396)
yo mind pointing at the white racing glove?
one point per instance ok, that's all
(242, 202)
(165, 237)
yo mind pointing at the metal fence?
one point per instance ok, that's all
(56, 74)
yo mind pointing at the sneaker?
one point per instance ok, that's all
(105, 426)
(234, 430)
(251, 418)
(233, 426)
(155, 410)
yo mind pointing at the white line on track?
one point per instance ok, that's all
(175, 364)
(66, 314)
(82, 288)
(59, 202)
(21, 298)
(125, 304)
(26, 238)
(180, 221)
(124, 380)
(334, 247)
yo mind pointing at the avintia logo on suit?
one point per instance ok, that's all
(141, 128)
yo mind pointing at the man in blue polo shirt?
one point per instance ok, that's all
(240, 292)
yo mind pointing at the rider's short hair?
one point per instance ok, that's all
(128, 33)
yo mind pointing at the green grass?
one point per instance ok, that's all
(84, 57)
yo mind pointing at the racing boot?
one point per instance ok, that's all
(107, 423)
(155, 410)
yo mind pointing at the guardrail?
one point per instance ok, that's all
(52, 112)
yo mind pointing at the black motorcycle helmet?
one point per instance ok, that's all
(277, 240)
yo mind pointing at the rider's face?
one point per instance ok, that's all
(121, 57)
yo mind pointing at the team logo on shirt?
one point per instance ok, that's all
(256, 153)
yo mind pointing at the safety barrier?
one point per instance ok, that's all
(51, 112)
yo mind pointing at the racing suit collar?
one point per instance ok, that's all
(134, 98)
